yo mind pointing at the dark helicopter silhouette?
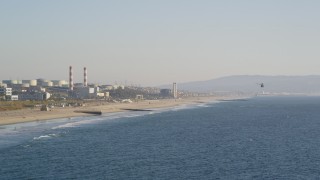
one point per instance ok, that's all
(261, 85)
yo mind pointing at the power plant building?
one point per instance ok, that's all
(86, 92)
(38, 96)
(60, 83)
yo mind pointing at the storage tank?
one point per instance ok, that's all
(47, 84)
(14, 82)
(65, 85)
(33, 82)
(59, 83)
(55, 82)
(62, 83)
(3, 85)
(25, 85)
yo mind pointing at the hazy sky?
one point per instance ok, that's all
(152, 42)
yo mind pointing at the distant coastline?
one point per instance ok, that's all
(29, 115)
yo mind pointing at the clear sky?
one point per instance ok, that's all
(153, 42)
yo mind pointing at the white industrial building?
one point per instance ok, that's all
(60, 83)
(103, 95)
(86, 92)
(6, 94)
(6, 91)
(47, 84)
(3, 85)
(118, 86)
(14, 98)
(30, 82)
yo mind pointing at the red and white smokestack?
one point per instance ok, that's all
(70, 78)
(85, 81)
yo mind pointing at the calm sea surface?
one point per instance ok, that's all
(259, 138)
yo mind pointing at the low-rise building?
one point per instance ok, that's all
(3, 85)
(14, 98)
(103, 95)
(36, 89)
(36, 96)
(107, 87)
(139, 97)
(5, 91)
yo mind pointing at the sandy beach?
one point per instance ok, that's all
(28, 115)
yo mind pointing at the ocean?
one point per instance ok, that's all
(257, 138)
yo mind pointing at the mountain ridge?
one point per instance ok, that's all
(309, 84)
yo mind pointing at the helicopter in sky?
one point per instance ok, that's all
(261, 85)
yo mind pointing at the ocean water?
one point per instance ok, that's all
(258, 138)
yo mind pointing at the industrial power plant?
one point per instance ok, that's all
(83, 91)
(42, 89)
(85, 78)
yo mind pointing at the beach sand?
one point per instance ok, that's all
(28, 115)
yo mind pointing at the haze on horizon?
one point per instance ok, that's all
(158, 42)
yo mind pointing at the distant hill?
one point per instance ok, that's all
(249, 84)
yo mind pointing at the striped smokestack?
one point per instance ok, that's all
(70, 78)
(85, 81)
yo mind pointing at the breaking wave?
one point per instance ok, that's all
(45, 136)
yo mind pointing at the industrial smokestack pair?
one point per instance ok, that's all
(85, 80)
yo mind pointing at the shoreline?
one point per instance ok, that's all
(31, 115)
